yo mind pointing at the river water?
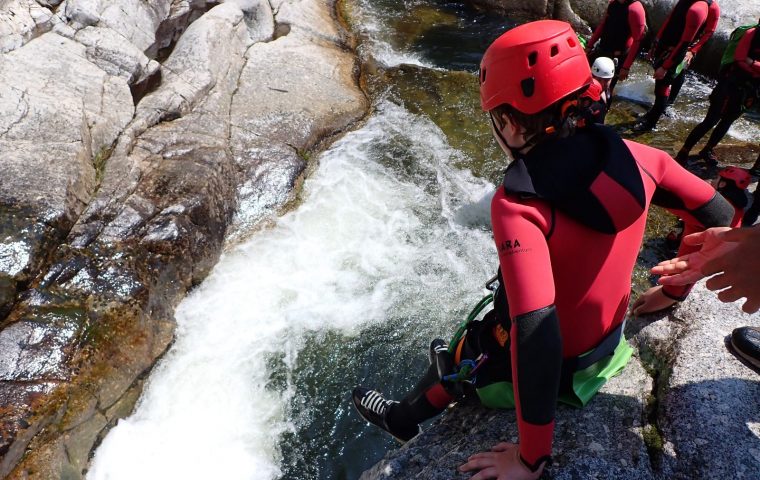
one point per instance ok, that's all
(388, 249)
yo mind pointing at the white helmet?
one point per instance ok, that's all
(603, 68)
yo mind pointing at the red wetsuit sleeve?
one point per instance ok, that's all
(684, 195)
(742, 54)
(520, 234)
(695, 18)
(711, 23)
(637, 22)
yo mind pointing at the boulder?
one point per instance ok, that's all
(108, 50)
(60, 113)
(134, 20)
(708, 412)
(21, 21)
(293, 92)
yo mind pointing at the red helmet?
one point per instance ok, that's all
(594, 91)
(533, 66)
(740, 176)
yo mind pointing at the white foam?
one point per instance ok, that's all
(372, 228)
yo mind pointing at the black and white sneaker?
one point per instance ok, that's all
(373, 407)
(746, 343)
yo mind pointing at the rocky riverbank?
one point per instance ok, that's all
(132, 132)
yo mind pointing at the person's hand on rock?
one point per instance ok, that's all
(502, 463)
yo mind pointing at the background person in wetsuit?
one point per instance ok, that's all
(688, 27)
(595, 101)
(750, 216)
(619, 36)
(735, 92)
(570, 201)
(732, 183)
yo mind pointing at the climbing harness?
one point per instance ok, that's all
(584, 374)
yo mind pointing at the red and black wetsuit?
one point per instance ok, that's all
(736, 91)
(620, 33)
(568, 224)
(594, 103)
(689, 26)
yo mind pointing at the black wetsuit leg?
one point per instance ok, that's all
(416, 407)
(675, 87)
(718, 100)
(750, 216)
(735, 95)
(661, 93)
(728, 118)
(430, 397)
(724, 109)
(618, 65)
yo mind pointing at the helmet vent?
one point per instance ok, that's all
(554, 50)
(532, 58)
(482, 76)
(571, 42)
(528, 86)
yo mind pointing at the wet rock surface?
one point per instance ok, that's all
(684, 408)
(115, 204)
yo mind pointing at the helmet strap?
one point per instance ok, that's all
(515, 151)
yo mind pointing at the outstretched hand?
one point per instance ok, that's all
(690, 268)
(734, 252)
(502, 463)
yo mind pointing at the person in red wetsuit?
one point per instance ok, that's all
(688, 27)
(568, 222)
(735, 92)
(619, 35)
(732, 183)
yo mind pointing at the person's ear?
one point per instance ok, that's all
(509, 126)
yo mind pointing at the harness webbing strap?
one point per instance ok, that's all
(604, 349)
